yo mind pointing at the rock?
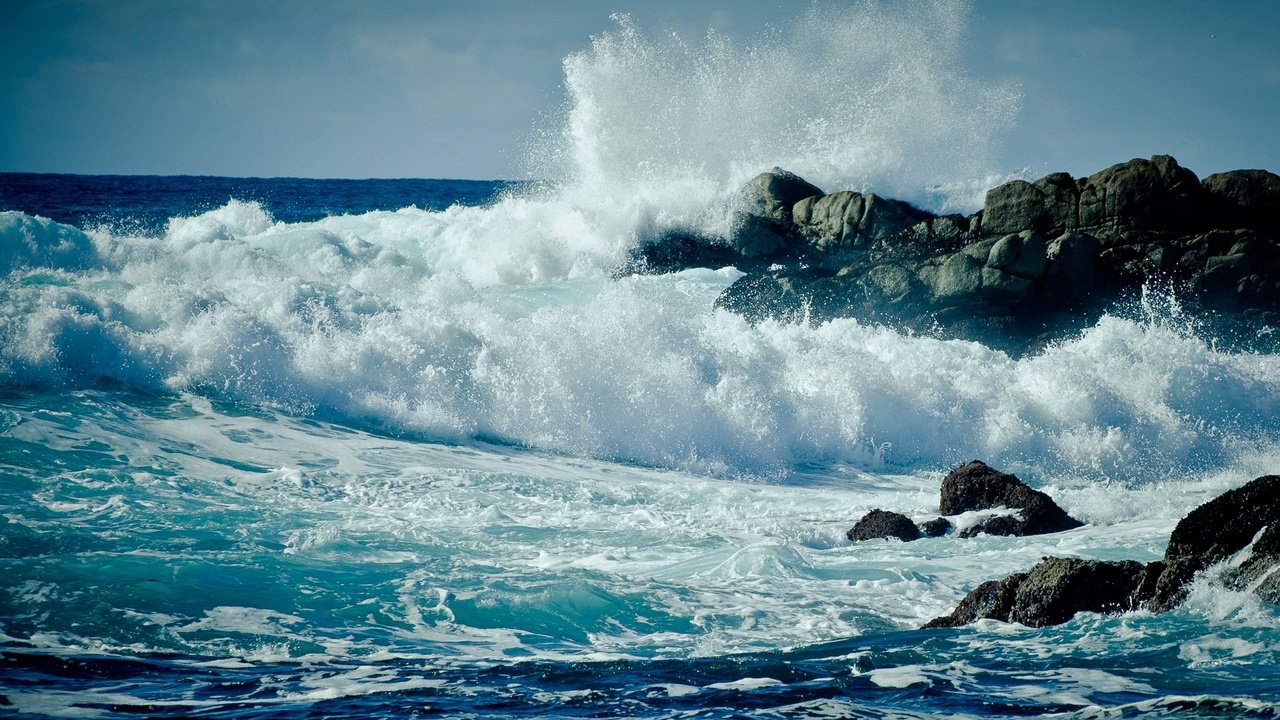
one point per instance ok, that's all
(1216, 531)
(978, 487)
(1072, 260)
(1051, 593)
(882, 524)
(1155, 194)
(1049, 205)
(936, 527)
(772, 194)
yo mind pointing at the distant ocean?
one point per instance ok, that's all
(281, 448)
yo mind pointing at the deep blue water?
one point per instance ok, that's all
(144, 203)
(312, 448)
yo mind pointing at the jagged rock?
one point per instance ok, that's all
(976, 486)
(1214, 532)
(882, 524)
(1051, 593)
(936, 527)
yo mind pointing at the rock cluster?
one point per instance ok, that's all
(1039, 257)
(1052, 592)
(971, 487)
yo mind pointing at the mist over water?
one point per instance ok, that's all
(862, 96)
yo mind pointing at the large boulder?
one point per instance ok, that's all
(882, 524)
(1146, 195)
(763, 225)
(1051, 593)
(1049, 205)
(976, 486)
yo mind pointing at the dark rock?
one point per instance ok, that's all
(882, 524)
(676, 251)
(1153, 195)
(978, 487)
(1073, 271)
(1049, 205)
(1058, 588)
(936, 527)
(1040, 261)
(1228, 523)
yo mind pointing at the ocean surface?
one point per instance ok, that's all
(282, 448)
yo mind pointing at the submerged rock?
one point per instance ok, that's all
(976, 486)
(882, 524)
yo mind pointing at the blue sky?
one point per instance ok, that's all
(393, 88)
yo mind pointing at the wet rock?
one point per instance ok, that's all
(976, 486)
(1041, 260)
(882, 524)
(848, 220)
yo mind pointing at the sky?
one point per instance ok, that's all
(443, 88)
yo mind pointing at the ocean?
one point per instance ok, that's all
(288, 448)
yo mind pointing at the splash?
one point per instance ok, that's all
(865, 96)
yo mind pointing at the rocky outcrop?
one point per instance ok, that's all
(1215, 532)
(968, 488)
(1241, 525)
(1038, 259)
(976, 486)
(882, 524)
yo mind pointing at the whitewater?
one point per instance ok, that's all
(290, 448)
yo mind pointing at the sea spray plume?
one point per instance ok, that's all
(867, 96)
